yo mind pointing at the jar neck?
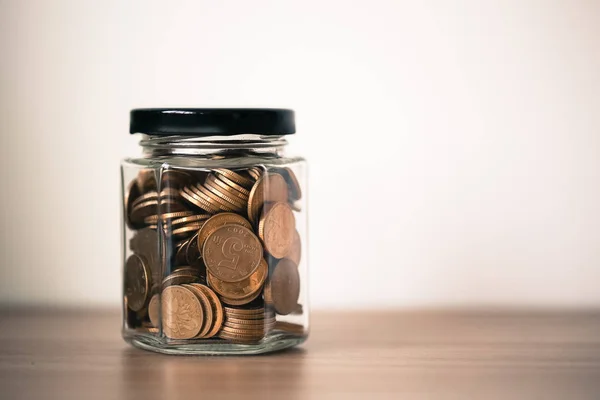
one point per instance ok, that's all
(236, 145)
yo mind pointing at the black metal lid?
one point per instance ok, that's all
(212, 121)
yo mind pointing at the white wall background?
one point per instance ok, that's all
(454, 145)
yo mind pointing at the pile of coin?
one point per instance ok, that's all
(228, 256)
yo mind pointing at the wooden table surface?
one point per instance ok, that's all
(363, 355)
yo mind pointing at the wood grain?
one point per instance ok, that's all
(413, 355)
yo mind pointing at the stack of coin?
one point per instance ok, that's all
(247, 325)
(229, 252)
(190, 311)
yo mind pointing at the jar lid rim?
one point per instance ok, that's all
(212, 121)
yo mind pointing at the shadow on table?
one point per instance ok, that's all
(151, 374)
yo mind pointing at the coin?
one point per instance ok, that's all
(154, 310)
(270, 187)
(132, 192)
(186, 230)
(146, 180)
(151, 195)
(231, 186)
(224, 194)
(285, 286)
(217, 309)
(294, 185)
(295, 253)
(214, 199)
(242, 289)
(153, 219)
(206, 310)
(242, 301)
(250, 322)
(216, 222)
(232, 253)
(244, 313)
(192, 253)
(255, 173)
(175, 178)
(276, 229)
(190, 219)
(195, 200)
(234, 176)
(143, 210)
(137, 282)
(181, 313)
(267, 293)
(180, 277)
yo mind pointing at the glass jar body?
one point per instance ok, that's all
(214, 246)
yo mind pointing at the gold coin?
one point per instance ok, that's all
(232, 253)
(242, 289)
(152, 195)
(180, 277)
(214, 199)
(186, 230)
(244, 331)
(240, 205)
(137, 282)
(154, 310)
(181, 313)
(255, 172)
(217, 309)
(247, 313)
(218, 220)
(206, 309)
(195, 200)
(295, 253)
(227, 183)
(276, 229)
(234, 176)
(190, 219)
(242, 339)
(270, 187)
(285, 286)
(215, 205)
(240, 302)
(153, 219)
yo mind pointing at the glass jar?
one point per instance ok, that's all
(214, 233)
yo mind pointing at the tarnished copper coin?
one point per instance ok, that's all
(217, 309)
(242, 289)
(217, 221)
(181, 313)
(277, 228)
(232, 253)
(154, 310)
(285, 286)
(137, 282)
